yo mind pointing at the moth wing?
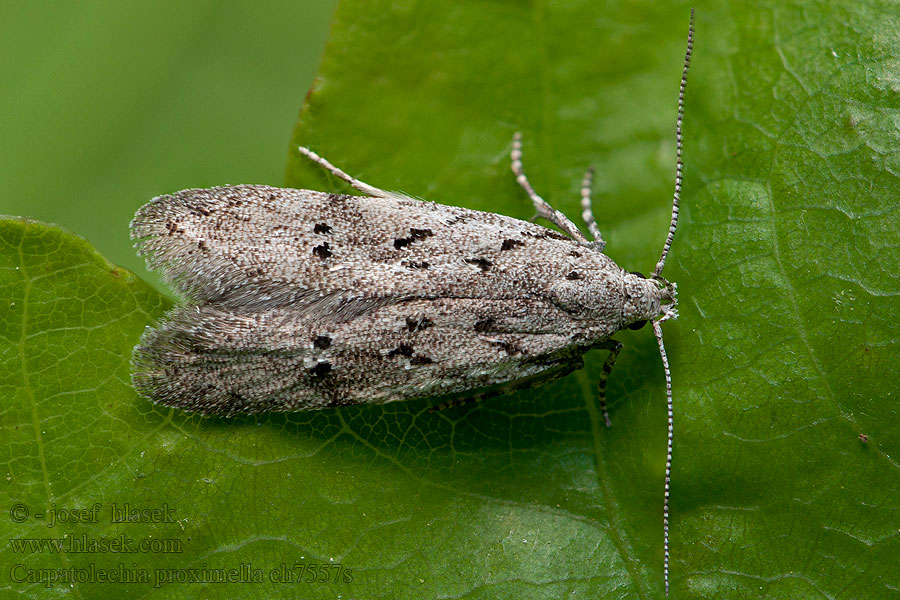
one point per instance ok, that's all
(256, 247)
(205, 359)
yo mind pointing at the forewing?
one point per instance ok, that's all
(257, 247)
(209, 360)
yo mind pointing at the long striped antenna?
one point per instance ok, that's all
(657, 330)
(679, 150)
(671, 313)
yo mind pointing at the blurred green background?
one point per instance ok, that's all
(105, 104)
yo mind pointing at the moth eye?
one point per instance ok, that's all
(638, 273)
(637, 324)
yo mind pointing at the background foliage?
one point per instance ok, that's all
(108, 103)
(785, 353)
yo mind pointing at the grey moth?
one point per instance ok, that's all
(299, 299)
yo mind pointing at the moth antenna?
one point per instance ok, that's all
(671, 312)
(679, 163)
(657, 330)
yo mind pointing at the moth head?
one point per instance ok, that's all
(647, 299)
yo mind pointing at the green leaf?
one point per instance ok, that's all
(785, 353)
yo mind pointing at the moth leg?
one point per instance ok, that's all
(543, 208)
(356, 183)
(614, 348)
(587, 211)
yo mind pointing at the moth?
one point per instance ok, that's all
(299, 300)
